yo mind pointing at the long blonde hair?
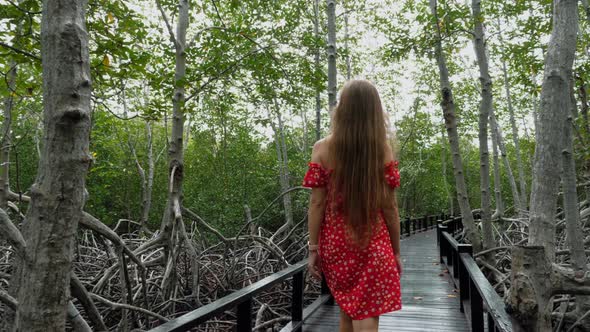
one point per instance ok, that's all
(358, 146)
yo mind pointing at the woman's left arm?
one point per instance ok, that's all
(315, 215)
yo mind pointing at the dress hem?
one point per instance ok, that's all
(377, 313)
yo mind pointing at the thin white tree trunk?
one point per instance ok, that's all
(332, 71)
(515, 139)
(282, 161)
(485, 107)
(6, 137)
(497, 178)
(318, 101)
(513, 187)
(147, 180)
(42, 279)
(172, 228)
(444, 172)
(448, 107)
(348, 67)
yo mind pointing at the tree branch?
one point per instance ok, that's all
(12, 233)
(165, 18)
(128, 307)
(30, 55)
(94, 224)
(81, 294)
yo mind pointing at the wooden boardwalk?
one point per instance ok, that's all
(429, 301)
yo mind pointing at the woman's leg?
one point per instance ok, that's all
(366, 325)
(345, 322)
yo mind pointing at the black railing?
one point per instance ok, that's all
(478, 299)
(242, 299)
(412, 226)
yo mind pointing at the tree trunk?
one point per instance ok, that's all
(555, 108)
(574, 231)
(148, 184)
(485, 107)
(497, 178)
(497, 132)
(281, 147)
(448, 107)
(348, 67)
(519, 165)
(6, 138)
(583, 94)
(586, 9)
(172, 228)
(57, 197)
(332, 71)
(318, 101)
(444, 173)
(530, 288)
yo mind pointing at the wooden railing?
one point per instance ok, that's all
(242, 300)
(478, 299)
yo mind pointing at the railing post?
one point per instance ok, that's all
(463, 276)
(441, 241)
(326, 291)
(297, 299)
(414, 226)
(491, 323)
(476, 303)
(407, 226)
(244, 316)
(455, 263)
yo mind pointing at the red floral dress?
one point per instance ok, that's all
(365, 282)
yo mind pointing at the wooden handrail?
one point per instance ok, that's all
(476, 294)
(238, 298)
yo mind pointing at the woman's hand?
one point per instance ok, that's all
(398, 261)
(313, 264)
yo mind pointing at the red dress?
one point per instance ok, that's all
(365, 282)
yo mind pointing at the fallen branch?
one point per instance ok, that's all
(129, 307)
(8, 300)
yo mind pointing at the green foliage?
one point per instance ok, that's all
(247, 62)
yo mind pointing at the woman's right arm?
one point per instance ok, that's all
(391, 215)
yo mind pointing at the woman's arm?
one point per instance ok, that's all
(391, 215)
(315, 215)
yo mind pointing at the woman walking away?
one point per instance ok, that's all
(353, 218)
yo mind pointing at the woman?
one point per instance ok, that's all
(353, 218)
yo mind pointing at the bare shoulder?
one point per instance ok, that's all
(320, 150)
(388, 153)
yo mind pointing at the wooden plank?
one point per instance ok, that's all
(308, 312)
